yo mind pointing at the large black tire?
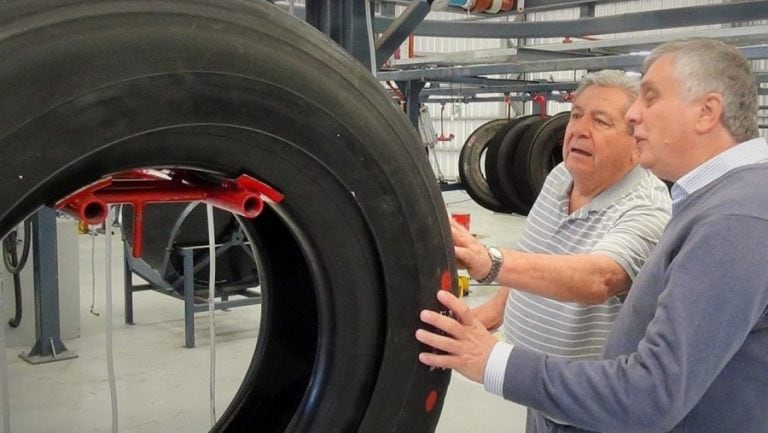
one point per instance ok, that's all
(491, 174)
(357, 248)
(547, 150)
(521, 163)
(471, 167)
(499, 165)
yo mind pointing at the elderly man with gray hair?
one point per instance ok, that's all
(689, 349)
(593, 225)
(595, 222)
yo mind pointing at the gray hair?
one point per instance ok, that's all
(704, 65)
(611, 78)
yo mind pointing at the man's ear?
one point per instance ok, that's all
(710, 112)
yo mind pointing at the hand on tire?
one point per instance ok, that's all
(466, 344)
(470, 253)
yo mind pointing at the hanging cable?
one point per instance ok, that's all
(211, 311)
(15, 268)
(442, 136)
(15, 264)
(11, 263)
(5, 401)
(108, 319)
(92, 234)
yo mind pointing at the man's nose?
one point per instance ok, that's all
(579, 127)
(633, 115)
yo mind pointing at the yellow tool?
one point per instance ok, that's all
(463, 281)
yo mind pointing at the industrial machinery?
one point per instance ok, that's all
(174, 256)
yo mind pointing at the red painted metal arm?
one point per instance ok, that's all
(243, 196)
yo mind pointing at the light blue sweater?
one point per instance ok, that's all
(689, 350)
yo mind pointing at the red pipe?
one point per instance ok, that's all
(243, 196)
(138, 229)
(442, 136)
(239, 202)
(255, 185)
(542, 101)
(90, 211)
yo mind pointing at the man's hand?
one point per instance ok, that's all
(466, 345)
(470, 253)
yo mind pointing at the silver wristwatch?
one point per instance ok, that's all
(497, 259)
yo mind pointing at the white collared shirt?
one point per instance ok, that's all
(746, 153)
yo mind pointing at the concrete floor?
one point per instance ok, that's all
(163, 387)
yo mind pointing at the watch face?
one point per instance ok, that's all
(495, 253)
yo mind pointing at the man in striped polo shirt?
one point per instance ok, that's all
(593, 225)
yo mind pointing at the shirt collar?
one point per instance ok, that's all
(619, 189)
(746, 153)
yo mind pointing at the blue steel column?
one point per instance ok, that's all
(127, 286)
(412, 90)
(189, 298)
(401, 27)
(344, 21)
(48, 347)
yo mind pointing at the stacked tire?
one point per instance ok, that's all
(503, 164)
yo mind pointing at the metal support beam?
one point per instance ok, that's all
(650, 20)
(471, 82)
(740, 36)
(412, 90)
(592, 63)
(48, 347)
(476, 94)
(480, 82)
(514, 98)
(540, 5)
(516, 88)
(344, 21)
(401, 27)
(484, 57)
(189, 299)
(530, 6)
(587, 10)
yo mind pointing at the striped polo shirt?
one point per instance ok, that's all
(623, 222)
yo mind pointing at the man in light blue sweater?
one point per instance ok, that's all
(689, 349)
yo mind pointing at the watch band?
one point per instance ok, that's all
(497, 259)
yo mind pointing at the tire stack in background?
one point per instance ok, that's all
(504, 162)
